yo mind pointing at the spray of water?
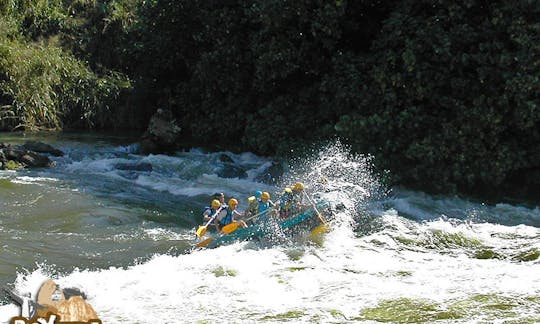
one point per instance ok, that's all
(347, 180)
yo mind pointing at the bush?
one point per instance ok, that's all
(451, 96)
(50, 89)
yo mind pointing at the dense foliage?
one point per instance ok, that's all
(453, 93)
(43, 86)
(445, 94)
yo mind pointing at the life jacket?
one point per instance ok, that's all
(286, 202)
(263, 207)
(227, 219)
(209, 208)
(212, 211)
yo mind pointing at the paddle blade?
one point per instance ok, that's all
(201, 230)
(230, 228)
(204, 243)
(323, 228)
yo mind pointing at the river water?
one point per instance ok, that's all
(120, 227)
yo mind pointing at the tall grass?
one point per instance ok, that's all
(43, 87)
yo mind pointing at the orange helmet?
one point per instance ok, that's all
(265, 196)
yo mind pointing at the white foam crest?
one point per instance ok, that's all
(205, 285)
(345, 275)
(451, 236)
(131, 148)
(507, 238)
(7, 312)
(390, 272)
(195, 163)
(174, 186)
(92, 165)
(203, 185)
(420, 206)
(159, 234)
(248, 158)
(33, 180)
(166, 161)
(253, 173)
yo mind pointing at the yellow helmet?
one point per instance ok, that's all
(288, 190)
(298, 186)
(216, 204)
(265, 196)
(233, 202)
(251, 199)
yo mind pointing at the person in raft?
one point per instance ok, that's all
(265, 207)
(231, 215)
(253, 205)
(210, 211)
(297, 198)
(285, 203)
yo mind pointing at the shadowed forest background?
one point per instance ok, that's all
(444, 94)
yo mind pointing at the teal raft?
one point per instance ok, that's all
(262, 229)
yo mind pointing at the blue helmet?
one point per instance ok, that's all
(258, 194)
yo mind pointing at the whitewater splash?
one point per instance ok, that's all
(415, 263)
(349, 181)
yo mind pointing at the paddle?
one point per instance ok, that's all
(324, 226)
(202, 229)
(229, 228)
(204, 243)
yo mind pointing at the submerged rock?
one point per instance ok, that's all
(225, 158)
(41, 148)
(17, 157)
(272, 174)
(230, 170)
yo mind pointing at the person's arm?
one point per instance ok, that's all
(242, 223)
(206, 215)
(237, 214)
